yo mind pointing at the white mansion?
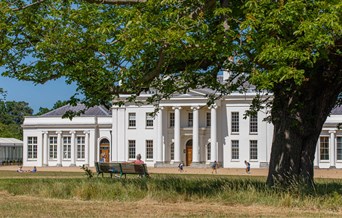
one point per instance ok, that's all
(185, 129)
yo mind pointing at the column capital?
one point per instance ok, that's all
(332, 131)
(176, 108)
(213, 106)
(86, 132)
(45, 132)
(59, 132)
(72, 132)
(195, 108)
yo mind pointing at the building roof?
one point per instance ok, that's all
(337, 110)
(10, 142)
(93, 111)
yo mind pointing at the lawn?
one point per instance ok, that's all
(72, 194)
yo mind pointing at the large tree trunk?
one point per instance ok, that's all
(298, 116)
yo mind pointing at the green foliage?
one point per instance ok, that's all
(87, 171)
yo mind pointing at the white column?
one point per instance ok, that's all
(332, 149)
(160, 136)
(59, 148)
(86, 149)
(195, 136)
(73, 148)
(45, 150)
(177, 135)
(213, 129)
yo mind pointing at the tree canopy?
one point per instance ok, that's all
(291, 48)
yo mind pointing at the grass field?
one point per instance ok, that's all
(71, 194)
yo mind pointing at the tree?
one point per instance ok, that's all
(289, 47)
(58, 104)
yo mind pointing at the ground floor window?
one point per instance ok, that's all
(253, 150)
(339, 148)
(209, 151)
(131, 149)
(32, 147)
(172, 151)
(235, 149)
(53, 147)
(80, 147)
(66, 147)
(324, 148)
(149, 149)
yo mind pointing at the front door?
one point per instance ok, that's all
(189, 153)
(104, 151)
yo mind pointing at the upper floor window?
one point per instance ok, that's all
(208, 119)
(149, 149)
(149, 120)
(131, 120)
(339, 148)
(53, 147)
(235, 122)
(172, 119)
(253, 123)
(324, 148)
(32, 147)
(190, 119)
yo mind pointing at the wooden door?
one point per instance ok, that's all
(104, 153)
(188, 155)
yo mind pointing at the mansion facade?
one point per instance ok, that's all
(184, 130)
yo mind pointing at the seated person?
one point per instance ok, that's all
(34, 170)
(138, 160)
(20, 170)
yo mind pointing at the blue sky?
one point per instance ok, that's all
(37, 95)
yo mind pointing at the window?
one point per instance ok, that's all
(131, 149)
(253, 150)
(235, 122)
(149, 120)
(172, 119)
(172, 151)
(253, 123)
(209, 151)
(80, 147)
(149, 149)
(339, 148)
(208, 119)
(67, 147)
(131, 120)
(190, 119)
(32, 147)
(53, 147)
(324, 148)
(235, 149)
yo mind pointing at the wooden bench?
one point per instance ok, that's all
(121, 168)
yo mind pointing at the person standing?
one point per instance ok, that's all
(214, 167)
(248, 167)
(180, 166)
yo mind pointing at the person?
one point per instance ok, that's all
(20, 169)
(248, 167)
(34, 170)
(214, 167)
(138, 160)
(180, 166)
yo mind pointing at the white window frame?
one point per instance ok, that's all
(253, 124)
(208, 118)
(324, 148)
(190, 119)
(339, 148)
(149, 149)
(253, 150)
(149, 121)
(80, 145)
(235, 150)
(66, 147)
(172, 151)
(32, 145)
(235, 125)
(209, 151)
(132, 120)
(131, 149)
(53, 147)
(171, 119)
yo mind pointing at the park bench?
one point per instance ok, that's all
(121, 168)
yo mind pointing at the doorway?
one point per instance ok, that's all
(104, 151)
(188, 152)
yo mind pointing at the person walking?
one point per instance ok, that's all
(248, 167)
(181, 166)
(214, 167)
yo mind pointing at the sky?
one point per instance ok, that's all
(37, 96)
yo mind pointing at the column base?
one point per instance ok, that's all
(195, 164)
(159, 164)
(72, 165)
(45, 165)
(59, 165)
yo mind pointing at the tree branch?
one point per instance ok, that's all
(27, 6)
(116, 2)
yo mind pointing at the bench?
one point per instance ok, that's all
(121, 168)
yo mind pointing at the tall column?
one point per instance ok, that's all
(45, 151)
(213, 129)
(59, 148)
(86, 149)
(73, 149)
(177, 149)
(332, 149)
(160, 137)
(195, 136)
